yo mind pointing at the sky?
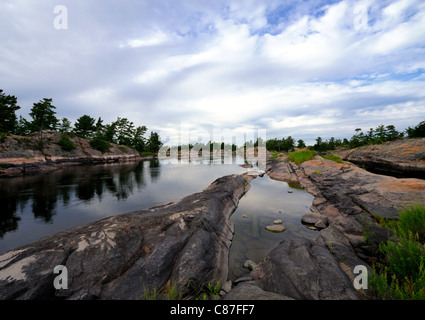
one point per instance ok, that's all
(290, 68)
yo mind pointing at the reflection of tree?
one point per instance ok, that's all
(43, 192)
(65, 181)
(45, 197)
(43, 207)
(155, 171)
(8, 219)
(11, 198)
(138, 175)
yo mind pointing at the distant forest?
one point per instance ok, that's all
(43, 117)
(378, 135)
(123, 132)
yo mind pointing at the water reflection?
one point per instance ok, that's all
(46, 191)
(266, 201)
(36, 206)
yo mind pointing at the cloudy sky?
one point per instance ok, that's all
(299, 68)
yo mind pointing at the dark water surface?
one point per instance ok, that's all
(32, 207)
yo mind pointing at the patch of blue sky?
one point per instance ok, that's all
(406, 76)
(287, 12)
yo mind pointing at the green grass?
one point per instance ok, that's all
(274, 155)
(146, 153)
(300, 156)
(178, 291)
(401, 272)
(333, 158)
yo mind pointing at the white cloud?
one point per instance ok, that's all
(221, 63)
(153, 39)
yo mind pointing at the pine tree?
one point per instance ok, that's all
(8, 118)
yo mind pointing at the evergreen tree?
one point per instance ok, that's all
(8, 118)
(416, 132)
(154, 142)
(84, 126)
(24, 127)
(64, 126)
(301, 144)
(138, 141)
(43, 115)
(123, 131)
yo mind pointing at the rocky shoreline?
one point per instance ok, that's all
(186, 243)
(21, 156)
(347, 202)
(400, 158)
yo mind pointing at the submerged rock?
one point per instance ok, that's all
(249, 264)
(275, 228)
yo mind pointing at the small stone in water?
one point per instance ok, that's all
(278, 221)
(249, 264)
(276, 228)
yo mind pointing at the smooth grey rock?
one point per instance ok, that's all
(320, 225)
(184, 242)
(249, 264)
(302, 269)
(243, 279)
(251, 291)
(227, 286)
(311, 218)
(275, 228)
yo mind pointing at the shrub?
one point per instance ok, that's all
(65, 143)
(99, 144)
(413, 219)
(301, 156)
(401, 274)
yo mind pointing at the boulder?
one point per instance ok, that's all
(185, 242)
(251, 291)
(403, 158)
(297, 269)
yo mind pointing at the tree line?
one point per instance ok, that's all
(378, 135)
(43, 117)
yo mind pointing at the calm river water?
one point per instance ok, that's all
(35, 206)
